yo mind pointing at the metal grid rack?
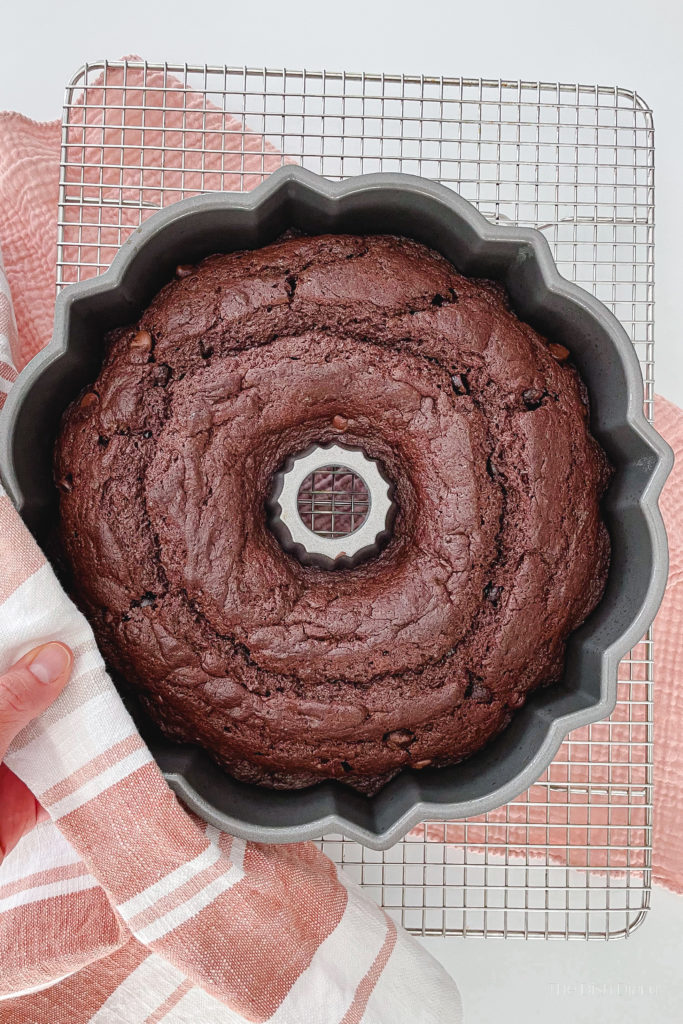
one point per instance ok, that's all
(572, 856)
(333, 502)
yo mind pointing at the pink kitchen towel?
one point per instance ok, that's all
(128, 908)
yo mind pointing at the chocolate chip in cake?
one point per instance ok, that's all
(477, 692)
(88, 400)
(66, 483)
(460, 384)
(161, 375)
(533, 397)
(492, 469)
(399, 738)
(184, 270)
(142, 341)
(439, 299)
(558, 351)
(424, 763)
(340, 422)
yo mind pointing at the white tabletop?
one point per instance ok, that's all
(606, 42)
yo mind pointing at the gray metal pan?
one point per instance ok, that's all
(521, 259)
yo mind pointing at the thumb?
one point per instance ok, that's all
(30, 686)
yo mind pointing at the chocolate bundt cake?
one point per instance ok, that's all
(287, 673)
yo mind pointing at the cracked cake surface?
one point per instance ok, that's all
(289, 674)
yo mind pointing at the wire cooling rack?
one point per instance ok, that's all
(333, 502)
(572, 856)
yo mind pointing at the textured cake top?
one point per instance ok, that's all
(289, 673)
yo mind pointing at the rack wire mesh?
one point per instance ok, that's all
(572, 856)
(333, 501)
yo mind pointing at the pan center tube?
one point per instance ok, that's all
(331, 506)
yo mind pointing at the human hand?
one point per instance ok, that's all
(26, 689)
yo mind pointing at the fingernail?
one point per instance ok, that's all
(50, 663)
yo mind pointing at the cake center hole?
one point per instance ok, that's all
(331, 506)
(333, 501)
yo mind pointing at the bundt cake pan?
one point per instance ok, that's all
(521, 259)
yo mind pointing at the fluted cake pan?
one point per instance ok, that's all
(521, 260)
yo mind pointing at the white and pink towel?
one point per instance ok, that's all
(144, 911)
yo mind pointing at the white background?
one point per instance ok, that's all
(626, 43)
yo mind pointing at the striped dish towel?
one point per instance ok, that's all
(124, 907)
(171, 919)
